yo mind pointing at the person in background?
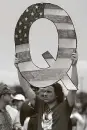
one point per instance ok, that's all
(18, 100)
(80, 116)
(12, 112)
(5, 99)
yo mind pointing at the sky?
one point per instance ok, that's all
(10, 12)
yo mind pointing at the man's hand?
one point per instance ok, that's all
(74, 77)
(74, 58)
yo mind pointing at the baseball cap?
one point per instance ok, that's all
(19, 97)
(4, 89)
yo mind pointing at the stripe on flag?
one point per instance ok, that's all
(22, 48)
(62, 53)
(60, 63)
(55, 12)
(27, 66)
(67, 43)
(42, 83)
(67, 34)
(65, 52)
(52, 6)
(23, 56)
(59, 19)
(64, 26)
(41, 75)
(63, 43)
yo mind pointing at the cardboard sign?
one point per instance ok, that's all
(52, 60)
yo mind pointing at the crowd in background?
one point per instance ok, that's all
(13, 106)
(11, 100)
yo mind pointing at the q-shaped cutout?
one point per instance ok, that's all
(43, 42)
(67, 43)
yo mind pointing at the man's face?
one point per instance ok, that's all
(18, 104)
(7, 98)
(47, 94)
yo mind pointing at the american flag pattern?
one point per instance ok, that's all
(67, 43)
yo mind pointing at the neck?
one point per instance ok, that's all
(2, 104)
(52, 104)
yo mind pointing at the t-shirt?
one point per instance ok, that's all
(81, 121)
(58, 119)
(12, 112)
(47, 120)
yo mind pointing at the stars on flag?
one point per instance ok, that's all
(25, 27)
(16, 36)
(26, 19)
(20, 23)
(30, 23)
(36, 7)
(20, 39)
(25, 35)
(20, 31)
(30, 15)
(27, 10)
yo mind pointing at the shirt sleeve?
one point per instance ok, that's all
(66, 108)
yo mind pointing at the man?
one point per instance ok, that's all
(5, 99)
(48, 110)
(18, 101)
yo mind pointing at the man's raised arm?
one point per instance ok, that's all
(74, 77)
(30, 94)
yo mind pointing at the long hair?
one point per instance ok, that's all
(57, 89)
(59, 92)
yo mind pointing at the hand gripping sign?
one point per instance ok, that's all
(55, 59)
